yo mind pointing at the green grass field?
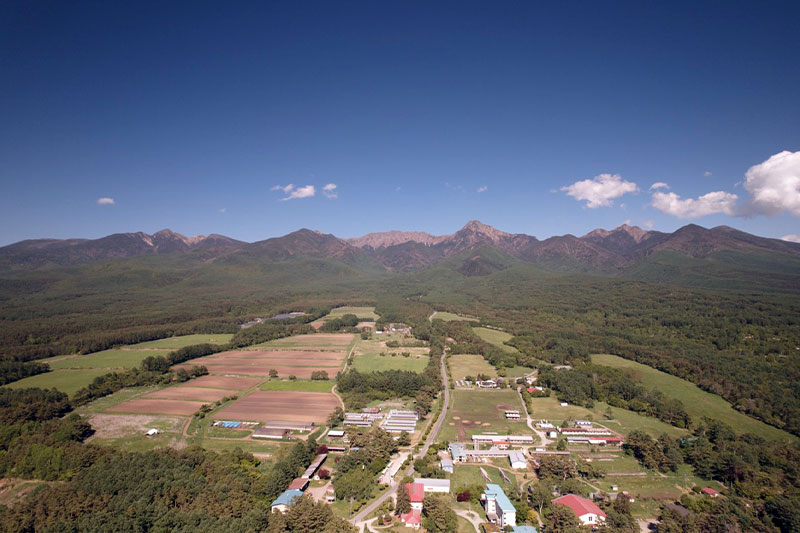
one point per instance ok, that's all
(366, 313)
(462, 365)
(301, 385)
(68, 381)
(112, 359)
(697, 402)
(447, 317)
(375, 362)
(173, 343)
(518, 371)
(493, 336)
(482, 406)
(469, 475)
(623, 420)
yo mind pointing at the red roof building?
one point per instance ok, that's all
(711, 492)
(413, 518)
(299, 484)
(585, 509)
(416, 491)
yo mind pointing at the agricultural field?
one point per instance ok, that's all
(265, 406)
(493, 336)
(622, 421)
(67, 381)
(364, 313)
(462, 365)
(173, 343)
(299, 385)
(447, 317)
(317, 341)
(367, 354)
(697, 402)
(116, 359)
(481, 411)
(128, 431)
(296, 363)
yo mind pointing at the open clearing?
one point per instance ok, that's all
(697, 402)
(366, 313)
(447, 317)
(482, 411)
(376, 362)
(264, 406)
(68, 381)
(160, 407)
(368, 358)
(173, 343)
(300, 385)
(199, 394)
(493, 336)
(462, 365)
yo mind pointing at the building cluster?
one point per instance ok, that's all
(298, 485)
(398, 421)
(460, 453)
(416, 492)
(584, 432)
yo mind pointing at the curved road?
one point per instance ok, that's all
(359, 519)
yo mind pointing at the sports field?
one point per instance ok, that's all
(697, 402)
(265, 406)
(482, 411)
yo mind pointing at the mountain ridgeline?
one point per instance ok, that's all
(626, 250)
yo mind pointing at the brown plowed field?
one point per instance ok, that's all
(161, 407)
(288, 361)
(291, 354)
(190, 393)
(264, 406)
(283, 371)
(317, 339)
(225, 382)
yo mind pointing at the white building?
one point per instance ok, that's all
(517, 460)
(499, 509)
(585, 509)
(434, 485)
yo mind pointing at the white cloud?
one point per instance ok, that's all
(329, 191)
(601, 190)
(708, 204)
(301, 192)
(105, 201)
(648, 224)
(483, 188)
(791, 238)
(707, 173)
(284, 188)
(774, 186)
(659, 185)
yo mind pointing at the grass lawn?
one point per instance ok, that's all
(302, 385)
(100, 405)
(462, 365)
(623, 420)
(365, 313)
(68, 381)
(106, 359)
(375, 362)
(447, 317)
(173, 343)
(470, 475)
(493, 336)
(697, 402)
(518, 371)
(482, 406)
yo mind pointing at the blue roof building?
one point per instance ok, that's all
(286, 499)
(525, 529)
(458, 452)
(499, 508)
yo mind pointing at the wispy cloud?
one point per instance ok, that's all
(791, 238)
(284, 188)
(707, 173)
(601, 190)
(659, 185)
(648, 224)
(105, 201)
(329, 191)
(453, 186)
(483, 188)
(708, 204)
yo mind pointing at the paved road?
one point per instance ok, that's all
(542, 435)
(358, 519)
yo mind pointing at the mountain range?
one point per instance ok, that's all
(603, 251)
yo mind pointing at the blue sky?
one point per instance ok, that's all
(188, 116)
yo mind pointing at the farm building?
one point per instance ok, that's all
(446, 465)
(397, 421)
(512, 415)
(585, 509)
(497, 439)
(412, 519)
(487, 384)
(362, 420)
(152, 432)
(517, 460)
(265, 433)
(416, 491)
(314, 466)
(710, 492)
(286, 499)
(299, 484)
(336, 434)
(433, 485)
(583, 423)
(458, 452)
(499, 509)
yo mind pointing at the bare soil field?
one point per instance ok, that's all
(302, 372)
(317, 339)
(163, 407)
(286, 354)
(264, 406)
(117, 426)
(257, 361)
(182, 392)
(225, 382)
